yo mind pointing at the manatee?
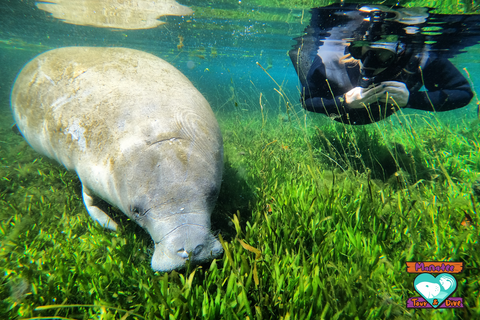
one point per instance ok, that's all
(139, 136)
(428, 289)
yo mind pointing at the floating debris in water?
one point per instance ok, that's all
(180, 42)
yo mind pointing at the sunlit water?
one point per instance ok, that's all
(217, 48)
(217, 53)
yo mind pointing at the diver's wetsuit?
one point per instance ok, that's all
(447, 89)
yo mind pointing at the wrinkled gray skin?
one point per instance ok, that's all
(139, 136)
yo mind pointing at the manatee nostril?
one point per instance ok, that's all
(217, 251)
(183, 253)
(197, 250)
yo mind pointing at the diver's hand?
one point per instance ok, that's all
(398, 93)
(361, 97)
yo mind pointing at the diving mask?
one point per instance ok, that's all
(376, 55)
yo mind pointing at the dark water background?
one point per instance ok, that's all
(222, 44)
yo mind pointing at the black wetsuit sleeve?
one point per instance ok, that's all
(329, 98)
(317, 93)
(447, 88)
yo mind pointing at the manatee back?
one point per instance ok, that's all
(73, 101)
(115, 115)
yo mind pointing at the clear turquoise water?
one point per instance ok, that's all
(218, 53)
(222, 43)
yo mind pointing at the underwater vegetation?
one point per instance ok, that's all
(465, 5)
(316, 220)
(262, 12)
(366, 152)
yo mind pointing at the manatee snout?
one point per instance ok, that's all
(187, 242)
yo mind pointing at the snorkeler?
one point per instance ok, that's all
(383, 65)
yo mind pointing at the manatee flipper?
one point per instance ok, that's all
(95, 212)
(16, 130)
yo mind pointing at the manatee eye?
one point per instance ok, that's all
(138, 212)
